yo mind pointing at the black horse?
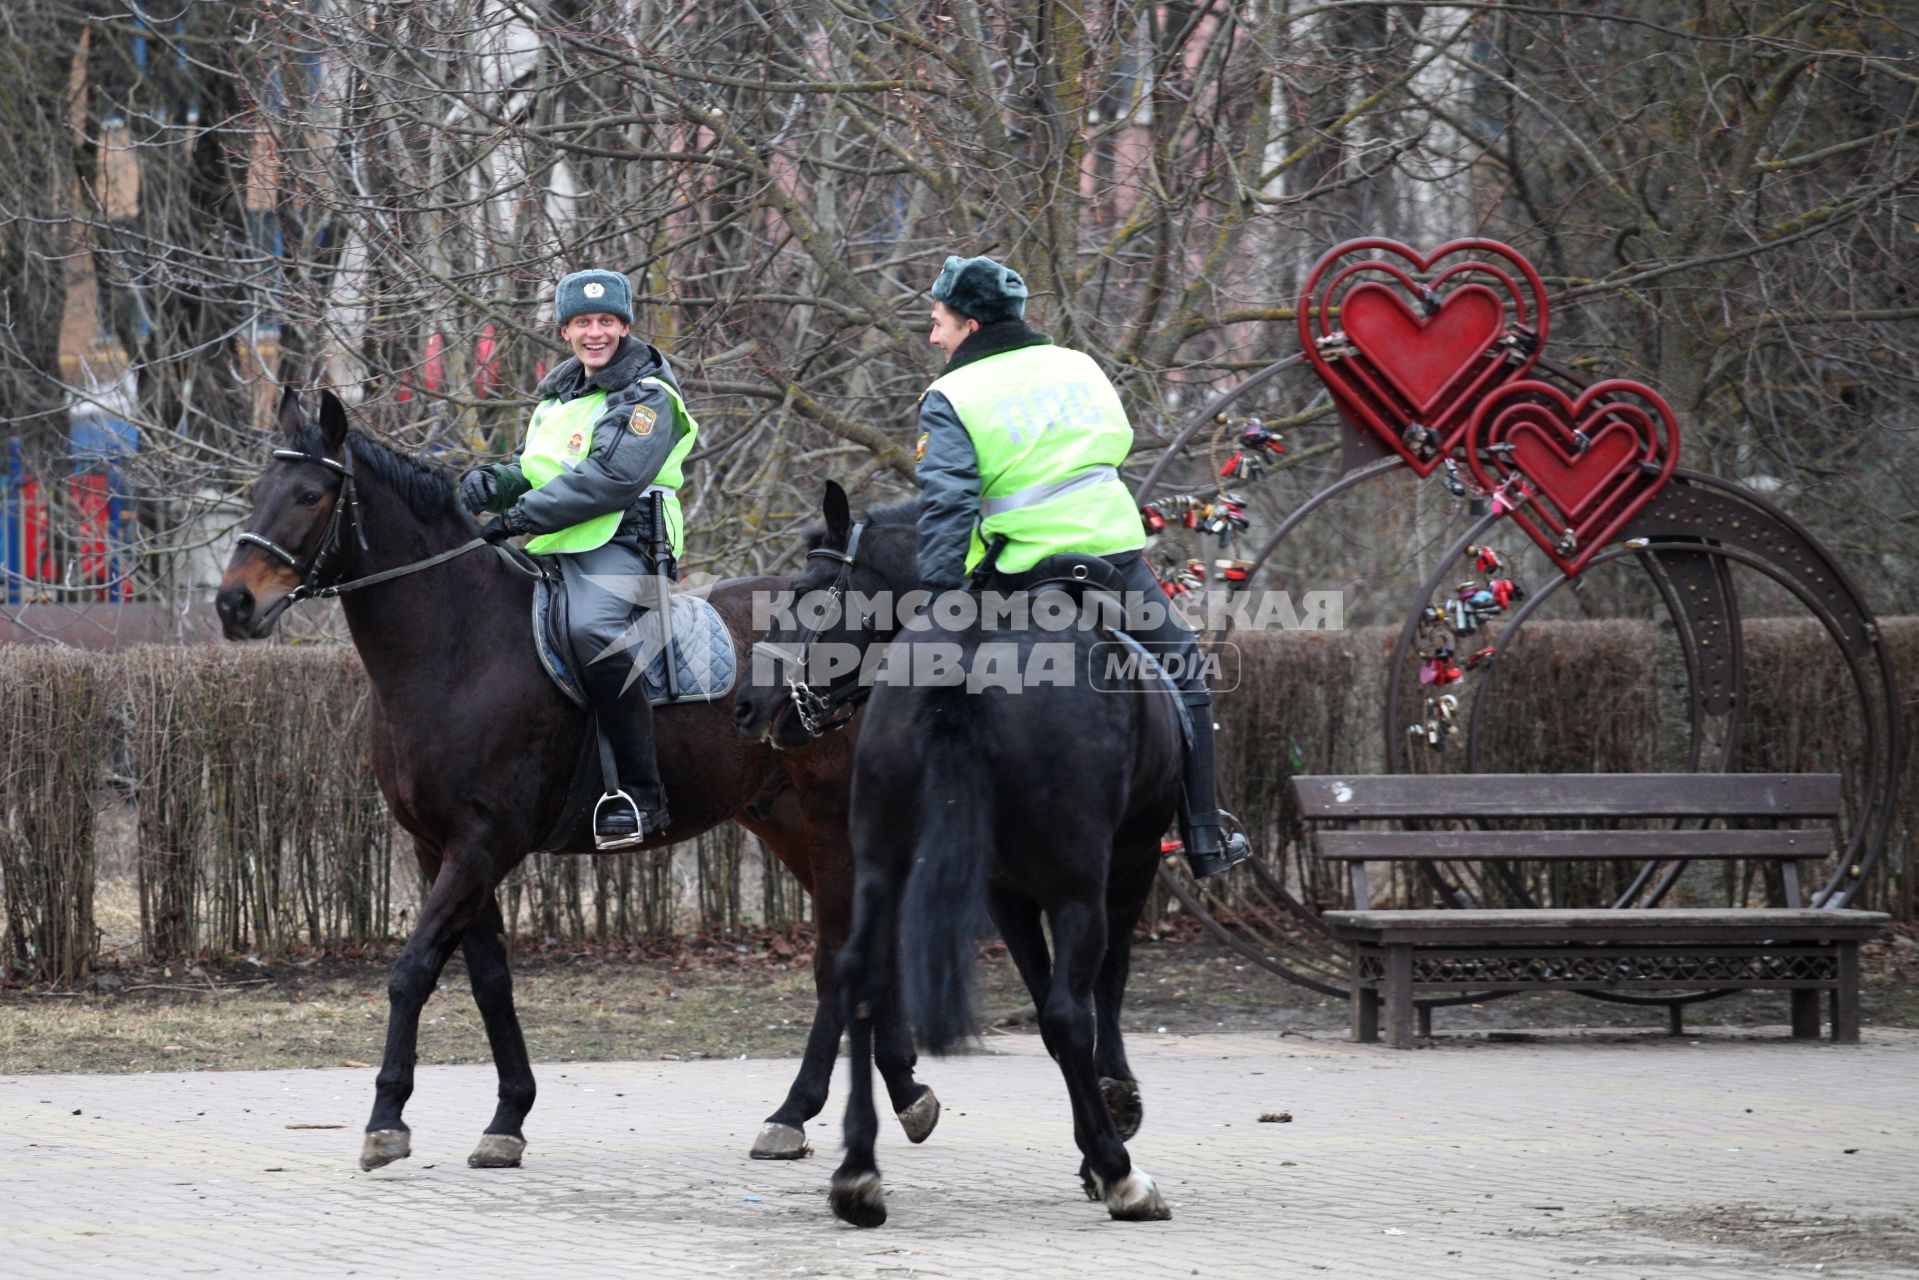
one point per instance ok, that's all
(474, 748)
(1006, 798)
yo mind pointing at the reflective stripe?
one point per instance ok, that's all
(1033, 495)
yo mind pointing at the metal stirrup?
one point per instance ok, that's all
(620, 842)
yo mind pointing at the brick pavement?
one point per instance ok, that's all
(1724, 1155)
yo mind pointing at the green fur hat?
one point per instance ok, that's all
(981, 289)
(586, 293)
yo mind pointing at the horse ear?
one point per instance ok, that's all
(332, 422)
(839, 514)
(289, 412)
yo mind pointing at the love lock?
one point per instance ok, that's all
(1421, 442)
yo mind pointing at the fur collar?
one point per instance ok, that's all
(995, 339)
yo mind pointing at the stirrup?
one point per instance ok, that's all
(1235, 847)
(617, 843)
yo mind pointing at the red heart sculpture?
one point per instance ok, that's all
(1404, 339)
(1573, 473)
(1423, 358)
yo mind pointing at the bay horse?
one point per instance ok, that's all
(474, 748)
(1036, 800)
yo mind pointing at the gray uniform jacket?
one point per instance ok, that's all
(948, 470)
(619, 466)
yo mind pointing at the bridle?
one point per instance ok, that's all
(346, 509)
(821, 713)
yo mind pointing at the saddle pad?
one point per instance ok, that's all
(1165, 680)
(704, 664)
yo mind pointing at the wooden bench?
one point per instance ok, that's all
(1398, 954)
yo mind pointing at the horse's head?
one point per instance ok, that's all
(807, 671)
(298, 523)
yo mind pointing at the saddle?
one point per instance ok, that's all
(1096, 586)
(704, 670)
(698, 644)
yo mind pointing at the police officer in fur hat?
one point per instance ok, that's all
(1023, 440)
(611, 430)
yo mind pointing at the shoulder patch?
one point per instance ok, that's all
(919, 448)
(643, 419)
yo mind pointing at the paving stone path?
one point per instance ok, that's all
(1720, 1155)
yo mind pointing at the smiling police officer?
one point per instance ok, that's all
(1022, 440)
(610, 432)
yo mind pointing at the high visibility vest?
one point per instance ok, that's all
(559, 435)
(1050, 434)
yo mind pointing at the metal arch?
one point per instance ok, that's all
(1208, 417)
(1774, 543)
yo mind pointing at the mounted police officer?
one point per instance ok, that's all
(601, 462)
(1021, 440)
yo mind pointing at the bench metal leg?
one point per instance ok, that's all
(1845, 997)
(1675, 1019)
(1425, 1012)
(1805, 1014)
(1365, 1004)
(1399, 997)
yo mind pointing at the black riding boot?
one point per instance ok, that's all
(627, 723)
(1210, 848)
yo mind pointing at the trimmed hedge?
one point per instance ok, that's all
(259, 826)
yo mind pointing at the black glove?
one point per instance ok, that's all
(511, 522)
(477, 488)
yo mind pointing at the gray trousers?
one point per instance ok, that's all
(596, 617)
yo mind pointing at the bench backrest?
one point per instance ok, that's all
(1779, 796)
(1569, 795)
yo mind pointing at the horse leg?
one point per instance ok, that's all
(816, 823)
(783, 1136)
(1079, 941)
(1018, 920)
(456, 896)
(486, 968)
(866, 977)
(1116, 1082)
(914, 1104)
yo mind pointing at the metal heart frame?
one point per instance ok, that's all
(1573, 472)
(1412, 379)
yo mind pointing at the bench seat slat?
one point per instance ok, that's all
(1545, 795)
(1657, 924)
(1547, 846)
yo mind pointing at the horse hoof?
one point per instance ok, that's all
(781, 1142)
(1122, 1100)
(1134, 1198)
(384, 1146)
(497, 1151)
(918, 1120)
(859, 1200)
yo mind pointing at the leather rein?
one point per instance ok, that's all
(346, 509)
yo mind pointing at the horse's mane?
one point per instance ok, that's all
(906, 511)
(426, 490)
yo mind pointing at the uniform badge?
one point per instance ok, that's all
(643, 419)
(594, 290)
(919, 448)
(575, 443)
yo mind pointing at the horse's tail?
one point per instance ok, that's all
(943, 912)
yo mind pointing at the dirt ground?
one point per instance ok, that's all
(715, 998)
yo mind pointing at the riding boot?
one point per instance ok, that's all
(626, 720)
(1210, 848)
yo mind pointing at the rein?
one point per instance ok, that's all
(348, 503)
(821, 713)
